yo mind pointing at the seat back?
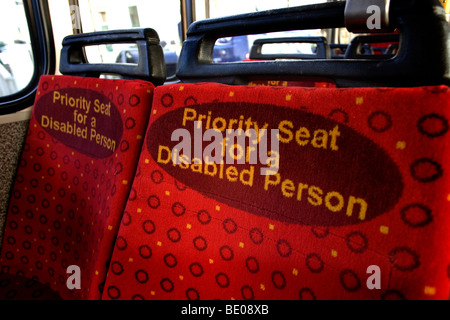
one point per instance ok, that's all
(373, 47)
(76, 170)
(319, 48)
(291, 193)
(415, 63)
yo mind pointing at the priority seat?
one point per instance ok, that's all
(76, 171)
(352, 205)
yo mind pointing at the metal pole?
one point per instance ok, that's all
(207, 9)
(187, 16)
(74, 6)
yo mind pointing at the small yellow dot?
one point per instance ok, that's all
(131, 260)
(149, 91)
(110, 228)
(384, 230)
(117, 88)
(155, 111)
(53, 78)
(39, 93)
(271, 227)
(232, 299)
(139, 137)
(96, 273)
(153, 293)
(181, 88)
(96, 85)
(159, 244)
(124, 111)
(289, 97)
(334, 253)
(217, 208)
(232, 94)
(147, 161)
(211, 261)
(401, 145)
(75, 82)
(139, 210)
(263, 287)
(295, 272)
(241, 244)
(181, 278)
(430, 291)
(359, 101)
(125, 182)
(167, 193)
(189, 227)
(448, 198)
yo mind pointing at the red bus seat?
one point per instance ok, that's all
(356, 206)
(366, 187)
(75, 174)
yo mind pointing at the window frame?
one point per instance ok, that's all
(43, 47)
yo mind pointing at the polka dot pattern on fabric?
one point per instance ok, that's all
(195, 242)
(66, 204)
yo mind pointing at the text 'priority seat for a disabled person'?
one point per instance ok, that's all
(356, 204)
(76, 170)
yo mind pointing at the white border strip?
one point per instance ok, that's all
(22, 115)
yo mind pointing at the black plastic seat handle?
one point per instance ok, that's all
(322, 48)
(151, 66)
(422, 58)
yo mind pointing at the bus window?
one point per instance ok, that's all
(100, 15)
(16, 56)
(234, 49)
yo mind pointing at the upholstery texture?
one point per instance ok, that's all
(357, 207)
(74, 177)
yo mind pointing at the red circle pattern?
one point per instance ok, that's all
(66, 206)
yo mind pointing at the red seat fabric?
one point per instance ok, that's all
(18, 288)
(73, 181)
(362, 183)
